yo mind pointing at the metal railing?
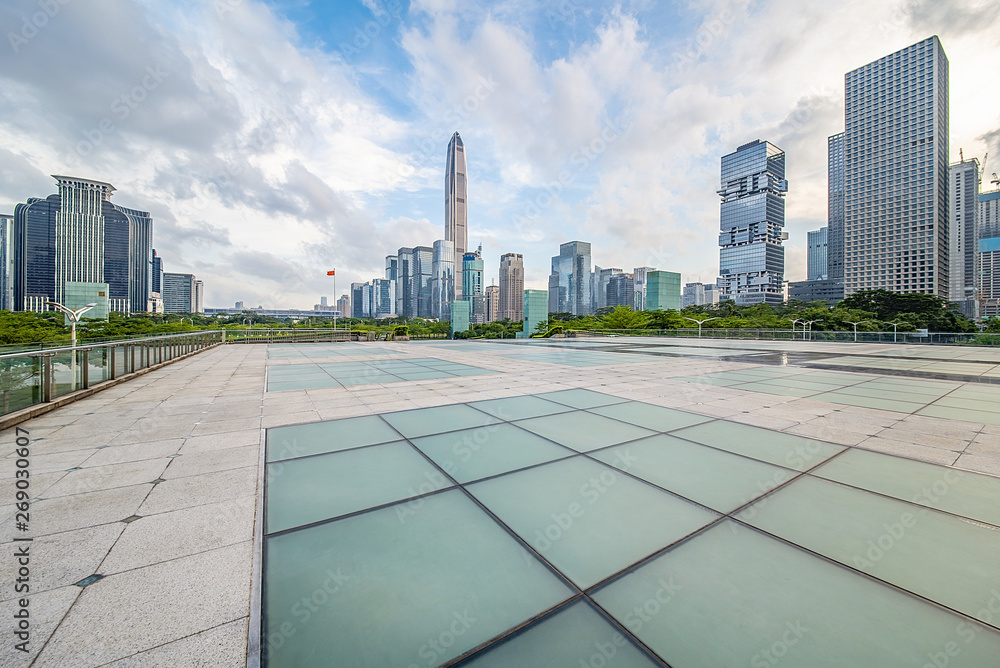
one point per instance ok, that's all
(936, 338)
(39, 376)
(274, 335)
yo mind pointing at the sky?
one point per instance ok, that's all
(275, 140)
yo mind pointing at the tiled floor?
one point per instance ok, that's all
(343, 374)
(629, 519)
(152, 484)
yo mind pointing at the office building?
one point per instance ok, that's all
(358, 305)
(699, 294)
(896, 232)
(620, 291)
(663, 291)
(511, 287)
(817, 259)
(829, 290)
(569, 282)
(79, 236)
(405, 302)
(392, 267)
(444, 279)
(751, 257)
(180, 293)
(492, 303)
(383, 298)
(639, 287)
(6, 262)
(989, 254)
(458, 316)
(835, 207)
(602, 277)
(199, 297)
(344, 305)
(536, 310)
(456, 194)
(963, 234)
(989, 213)
(414, 281)
(472, 273)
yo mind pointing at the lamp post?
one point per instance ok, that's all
(856, 327)
(73, 315)
(895, 325)
(699, 322)
(333, 272)
(810, 323)
(793, 327)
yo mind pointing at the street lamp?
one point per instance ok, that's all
(73, 315)
(856, 327)
(894, 326)
(810, 323)
(793, 327)
(700, 322)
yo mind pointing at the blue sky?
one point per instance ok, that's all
(282, 138)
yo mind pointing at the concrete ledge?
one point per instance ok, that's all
(31, 412)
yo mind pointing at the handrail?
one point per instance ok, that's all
(44, 352)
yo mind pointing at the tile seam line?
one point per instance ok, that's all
(190, 635)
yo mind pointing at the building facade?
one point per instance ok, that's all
(751, 257)
(835, 207)
(663, 291)
(179, 293)
(989, 254)
(601, 280)
(383, 296)
(699, 294)
(639, 287)
(570, 279)
(896, 232)
(511, 287)
(443, 287)
(456, 195)
(536, 310)
(963, 234)
(344, 305)
(492, 303)
(817, 258)
(620, 291)
(6, 262)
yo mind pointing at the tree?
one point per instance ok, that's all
(623, 317)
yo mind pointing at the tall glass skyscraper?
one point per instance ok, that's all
(444, 279)
(818, 254)
(835, 207)
(456, 192)
(751, 258)
(896, 173)
(6, 262)
(569, 282)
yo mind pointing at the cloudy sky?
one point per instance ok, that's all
(275, 140)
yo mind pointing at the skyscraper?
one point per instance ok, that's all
(817, 259)
(79, 236)
(989, 253)
(472, 285)
(456, 192)
(492, 304)
(604, 275)
(444, 279)
(570, 278)
(663, 291)
(963, 233)
(620, 291)
(6, 262)
(835, 208)
(180, 293)
(156, 272)
(511, 286)
(751, 258)
(896, 173)
(639, 290)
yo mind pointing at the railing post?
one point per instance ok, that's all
(47, 378)
(111, 362)
(85, 370)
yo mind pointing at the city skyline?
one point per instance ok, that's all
(258, 184)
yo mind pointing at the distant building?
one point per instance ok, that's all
(835, 207)
(989, 254)
(663, 291)
(360, 307)
(199, 297)
(443, 286)
(392, 267)
(620, 291)
(699, 294)
(458, 316)
(456, 214)
(180, 293)
(751, 257)
(492, 305)
(817, 259)
(536, 303)
(383, 298)
(570, 279)
(344, 304)
(601, 280)
(639, 287)
(511, 287)
(829, 290)
(472, 285)
(238, 306)
(6, 262)
(963, 234)
(156, 269)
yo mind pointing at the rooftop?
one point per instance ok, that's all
(560, 502)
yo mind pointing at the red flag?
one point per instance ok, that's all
(331, 272)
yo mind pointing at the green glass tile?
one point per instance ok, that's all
(985, 404)
(963, 414)
(964, 493)
(421, 375)
(649, 416)
(575, 636)
(930, 553)
(734, 597)
(497, 448)
(398, 587)
(303, 384)
(426, 421)
(583, 431)
(317, 437)
(714, 478)
(516, 408)
(581, 398)
(301, 491)
(371, 380)
(794, 452)
(588, 520)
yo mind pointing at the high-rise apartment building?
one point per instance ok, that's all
(180, 293)
(963, 233)
(456, 193)
(199, 297)
(896, 233)
(492, 303)
(511, 286)
(444, 279)
(79, 236)
(817, 254)
(751, 257)
(835, 207)
(570, 279)
(6, 262)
